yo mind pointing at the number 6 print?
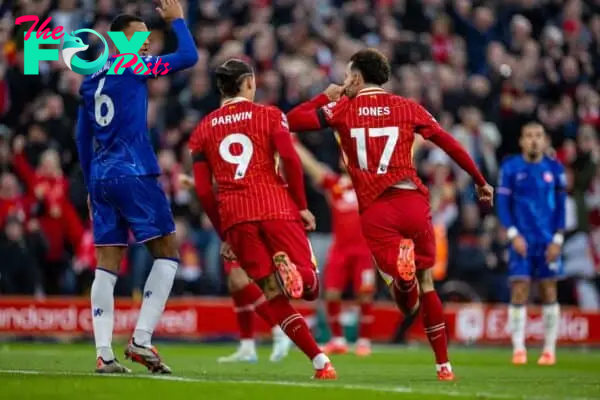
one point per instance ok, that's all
(242, 160)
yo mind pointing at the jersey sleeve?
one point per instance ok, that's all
(560, 196)
(195, 144)
(330, 181)
(184, 57)
(84, 141)
(282, 140)
(504, 195)
(331, 113)
(425, 124)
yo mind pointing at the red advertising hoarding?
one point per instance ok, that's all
(211, 318)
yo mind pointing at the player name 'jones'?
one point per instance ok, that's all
(231, 119)
(373, 111)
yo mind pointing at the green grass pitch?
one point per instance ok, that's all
(63, 372)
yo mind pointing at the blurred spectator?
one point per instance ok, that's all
(21, 248)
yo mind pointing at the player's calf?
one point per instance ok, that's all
(405, 289)
(295, 327)
(434, 323)
(103, 305)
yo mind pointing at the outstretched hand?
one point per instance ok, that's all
(485, 194)
(170, 10)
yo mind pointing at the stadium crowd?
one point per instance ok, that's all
(483, 68)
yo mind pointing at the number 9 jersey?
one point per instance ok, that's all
(237, 142)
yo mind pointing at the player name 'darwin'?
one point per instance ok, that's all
(231, 119)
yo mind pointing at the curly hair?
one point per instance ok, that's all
(373, 66)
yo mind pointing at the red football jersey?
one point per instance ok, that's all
(347, 230)
(377, 131)
(237, 144)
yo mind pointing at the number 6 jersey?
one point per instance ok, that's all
(239, 142)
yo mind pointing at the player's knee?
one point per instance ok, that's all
(237, 280)
(364, 298)
(548, 292)
(163, 247)
(519, 293)
(425, 278)
(270, 287)
(332, 295)
(110, 257)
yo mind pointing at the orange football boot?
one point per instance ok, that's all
(547, 358)
(519, 357)
(289, 277)
(326, 374)
(406, 260)
(336, 347)
(445, 374)
(363, 348)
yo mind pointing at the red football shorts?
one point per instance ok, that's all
(255, 243)
(344, 266)
(399, 214)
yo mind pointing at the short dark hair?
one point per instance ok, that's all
(122, 21)
(230, 75)
(373, 66)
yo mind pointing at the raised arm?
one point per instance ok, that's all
(312, 115)
(84, 139)
(21, 165)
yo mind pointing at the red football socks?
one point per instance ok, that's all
(244, 312)
(366, 320)
(293, 325)
(406, 294)
(435, 326)
(334, 311)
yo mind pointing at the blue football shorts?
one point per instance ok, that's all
(136, 203)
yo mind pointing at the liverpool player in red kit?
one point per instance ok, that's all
(258, 215)
(377, 133)
(349, 258)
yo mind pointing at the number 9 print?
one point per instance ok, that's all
(242, 160)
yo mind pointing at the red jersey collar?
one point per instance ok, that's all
(233, 100)
(369, 91)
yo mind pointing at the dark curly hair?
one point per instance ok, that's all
(230, 76)
(372, 65)
(122, 21)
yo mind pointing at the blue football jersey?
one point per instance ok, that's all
(112, 128)
(117, 106)
(532, 198)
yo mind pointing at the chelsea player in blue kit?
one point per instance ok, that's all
(120, 170)
(532, 206)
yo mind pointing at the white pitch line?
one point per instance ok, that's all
(381, 389)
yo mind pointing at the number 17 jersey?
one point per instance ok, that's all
(236, 142)
(376, 131)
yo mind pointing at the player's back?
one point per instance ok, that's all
(117, 107)
(377, 134)
(237, 143)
